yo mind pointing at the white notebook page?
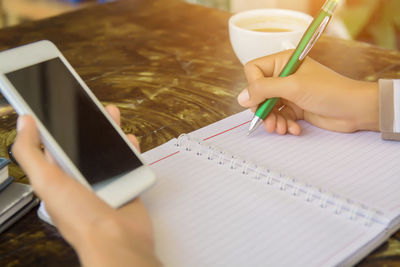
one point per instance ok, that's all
(205, 214)
(359, 165)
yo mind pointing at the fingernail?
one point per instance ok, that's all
(244, 96)
(20, 124)
(294, 130)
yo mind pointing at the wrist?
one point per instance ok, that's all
(368, 116)
(111, 241)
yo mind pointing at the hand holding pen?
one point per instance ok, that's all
(314, 93)
(308, 40)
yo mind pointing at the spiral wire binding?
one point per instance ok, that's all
(283, 182)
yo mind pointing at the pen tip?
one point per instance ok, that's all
(254, 125)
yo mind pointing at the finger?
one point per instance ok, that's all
(270, 122)
(49, 182)
(245, 101)
(244, 98)
(286, 110)
(293, 127)
(27, 151)
(267, 66)
(114, 113)
(49, 157)
(253, 72)
(265, 88)
(281, 126)
(26, 148)
(134, 141)
(45, 178)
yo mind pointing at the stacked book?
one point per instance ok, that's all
(16, 199)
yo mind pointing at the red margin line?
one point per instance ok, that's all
(203, 140)
(164, 158)
(227, 130)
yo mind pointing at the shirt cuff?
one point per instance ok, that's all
(389, 109)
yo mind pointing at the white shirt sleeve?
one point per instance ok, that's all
(389, 109)
(396, 105)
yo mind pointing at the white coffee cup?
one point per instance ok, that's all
(260, 32)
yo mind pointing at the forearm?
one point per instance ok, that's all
(134, 255)
(367, 106)
(112, 242)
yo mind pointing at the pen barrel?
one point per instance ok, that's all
(265, 108)
(294, 62)
(330, 6)
(309, 38)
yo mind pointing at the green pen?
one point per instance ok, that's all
(310, 37)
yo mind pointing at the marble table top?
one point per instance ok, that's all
(169, 67)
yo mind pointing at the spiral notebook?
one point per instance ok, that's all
(227, 199)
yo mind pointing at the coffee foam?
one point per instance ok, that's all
(272, 21)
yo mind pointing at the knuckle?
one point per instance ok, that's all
(248, 67)
(257, 86)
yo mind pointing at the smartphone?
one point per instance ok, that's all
(36, 79)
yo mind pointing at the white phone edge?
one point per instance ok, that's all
(120, 190)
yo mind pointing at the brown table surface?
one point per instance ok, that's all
(170, 68)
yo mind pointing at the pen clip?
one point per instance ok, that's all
(315, 37)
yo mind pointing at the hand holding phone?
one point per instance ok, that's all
(37, 80)
(100, 234)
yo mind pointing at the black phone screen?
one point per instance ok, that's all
(74, 120)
